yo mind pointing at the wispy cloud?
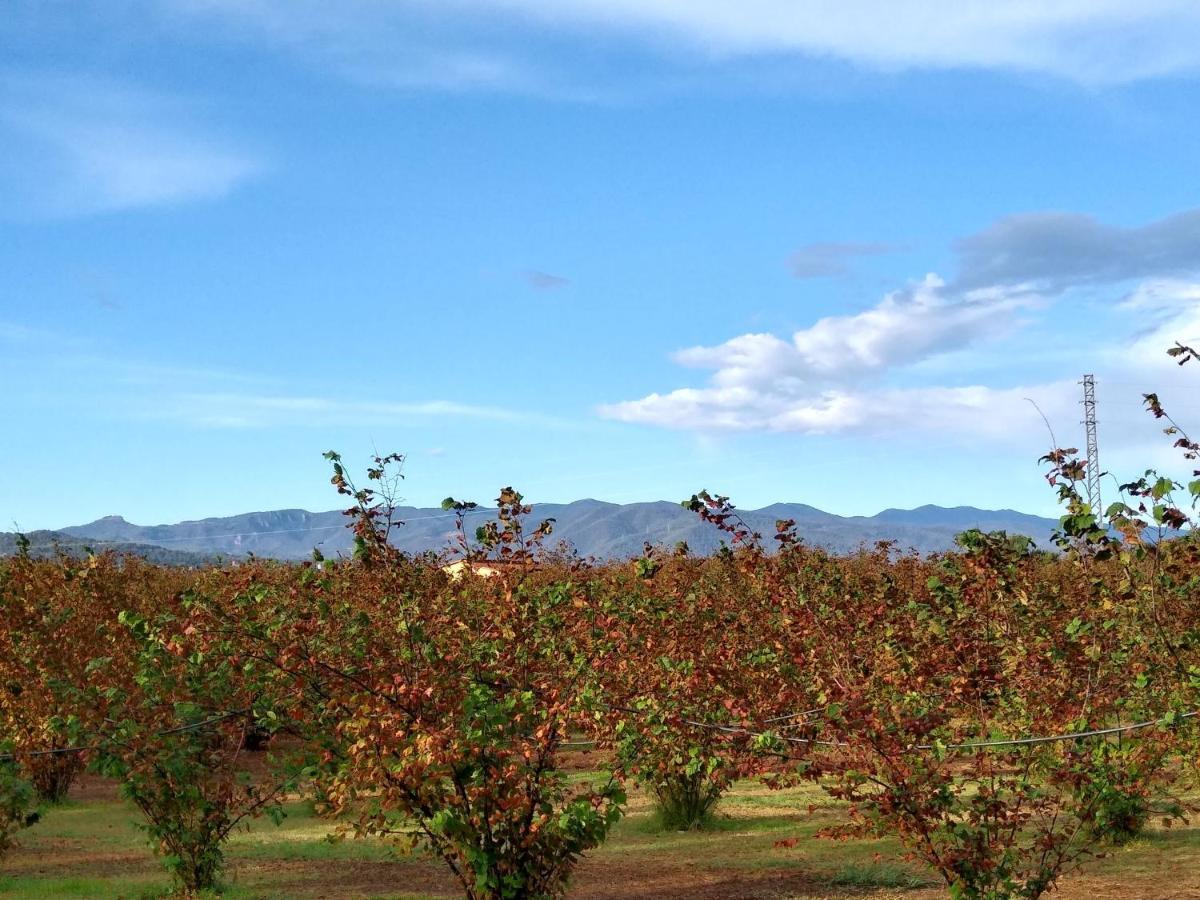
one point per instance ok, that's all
(16, 334)
(74, 145)
(395, 43)
(237, 410)
(81, 375)
(1093, 41)
(100, 288)
(1086, 40)
(90, 370)
(823, 260)
(544, 281)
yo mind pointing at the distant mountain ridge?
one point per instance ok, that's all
(592, 527)
(45, 544)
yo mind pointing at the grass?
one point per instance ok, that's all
(882, 875)
(94, 849)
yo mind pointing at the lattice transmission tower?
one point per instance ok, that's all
(1093, 449)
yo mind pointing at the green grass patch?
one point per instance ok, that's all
(94, 849)
(882, 875)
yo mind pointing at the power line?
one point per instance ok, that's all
(238, 534)
(84, 748)
(725, 728)
(972, 745)
(729, 728)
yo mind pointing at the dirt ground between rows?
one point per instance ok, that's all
(617, 874)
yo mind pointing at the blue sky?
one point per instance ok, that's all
(806, 252)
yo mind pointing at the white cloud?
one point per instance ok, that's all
(973, 411)
(935, 415)
(78, 145)
(1085, 40)
(1163, 294)
(1170, 313)
(1088, 40)
(906, 326)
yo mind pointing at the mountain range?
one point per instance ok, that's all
(592, 527)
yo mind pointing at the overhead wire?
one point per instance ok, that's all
(726, 728)
(970, 745)
(241, 534)
(95, 745)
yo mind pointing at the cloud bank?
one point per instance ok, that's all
(855, 373)
(1059, 250)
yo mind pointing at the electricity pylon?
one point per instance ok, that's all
(1093, 450)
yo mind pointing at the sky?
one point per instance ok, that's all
(840, 253)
